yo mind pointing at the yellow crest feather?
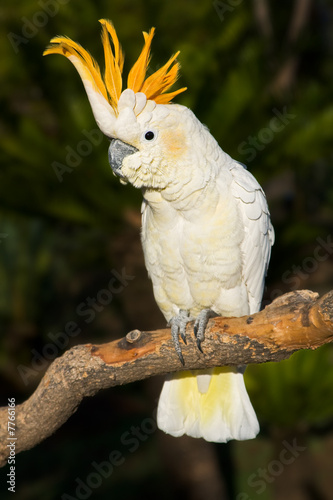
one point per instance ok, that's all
(113, 63)
(160, 81)
(66, 47)
(110, 86)
(137, 74)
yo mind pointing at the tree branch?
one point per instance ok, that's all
(296, 320)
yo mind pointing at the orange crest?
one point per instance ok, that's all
(110, 85)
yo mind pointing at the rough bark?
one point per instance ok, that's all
(296, 320)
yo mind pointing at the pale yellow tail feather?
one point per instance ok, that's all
(222, 413)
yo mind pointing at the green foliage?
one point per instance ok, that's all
(295, 393)
(66, 230)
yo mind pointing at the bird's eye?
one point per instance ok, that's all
(149, 136)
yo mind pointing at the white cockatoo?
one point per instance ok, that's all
(206, 230)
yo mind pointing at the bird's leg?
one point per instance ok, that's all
(178, 327)
(201, 323)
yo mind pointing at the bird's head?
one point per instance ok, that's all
(148, 135)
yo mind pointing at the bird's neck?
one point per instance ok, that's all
(191, 202)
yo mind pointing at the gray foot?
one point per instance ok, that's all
(178, 327)
(201, 323)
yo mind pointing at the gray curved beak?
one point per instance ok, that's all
(118, 150)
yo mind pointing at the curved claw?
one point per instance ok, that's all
(199, 345)
(200, 325)
(178, 327)
(175, 338)
(182, 334)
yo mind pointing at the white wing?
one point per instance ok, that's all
(259, 232)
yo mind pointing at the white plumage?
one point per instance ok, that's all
(207, 247)
(206, 230)
(220, 412)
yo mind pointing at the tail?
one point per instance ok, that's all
(210, 404)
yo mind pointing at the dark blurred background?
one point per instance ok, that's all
(260, 76)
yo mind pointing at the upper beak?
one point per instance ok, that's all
(118, 150)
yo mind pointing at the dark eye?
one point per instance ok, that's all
(149, 136)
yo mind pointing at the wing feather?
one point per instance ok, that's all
(259, 232)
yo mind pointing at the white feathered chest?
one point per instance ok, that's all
(194, 255)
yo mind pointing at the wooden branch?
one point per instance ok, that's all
(296, 320)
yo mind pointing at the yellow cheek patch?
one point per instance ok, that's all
(173, 142)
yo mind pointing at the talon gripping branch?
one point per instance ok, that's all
(206, 230)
